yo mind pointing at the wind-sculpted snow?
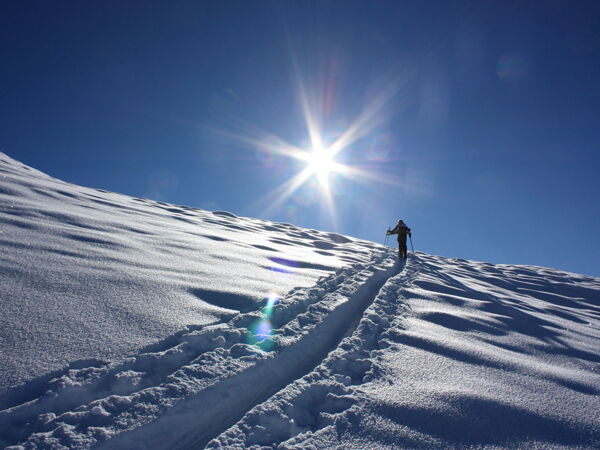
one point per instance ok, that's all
(162, 396)
(88, 274)
(243, 333)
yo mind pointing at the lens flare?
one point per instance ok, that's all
(271, 302)
(512, 67)
(261, 332)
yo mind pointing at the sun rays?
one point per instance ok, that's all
(328, 159)
(321, 159)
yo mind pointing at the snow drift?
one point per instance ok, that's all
(130, 323)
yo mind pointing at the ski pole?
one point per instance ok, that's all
(411, 244)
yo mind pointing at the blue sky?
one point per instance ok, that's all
(476, 122)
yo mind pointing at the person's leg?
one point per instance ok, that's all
(402, 249)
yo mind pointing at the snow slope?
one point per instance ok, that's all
(88, 274)
(129, 323)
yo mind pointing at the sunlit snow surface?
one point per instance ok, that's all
(93, 274)
(131, 323)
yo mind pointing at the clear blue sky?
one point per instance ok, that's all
(478, 123)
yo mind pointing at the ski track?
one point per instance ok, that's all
(316, 400)
(189, 388)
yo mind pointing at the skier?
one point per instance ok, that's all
(401, 230)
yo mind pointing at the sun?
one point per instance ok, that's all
(323, 155)
(320, 162)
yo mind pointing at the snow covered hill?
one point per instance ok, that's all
(130, 323)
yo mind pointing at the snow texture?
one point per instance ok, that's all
(129, 323)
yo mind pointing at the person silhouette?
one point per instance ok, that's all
(402, 231)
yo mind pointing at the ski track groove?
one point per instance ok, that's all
(172, 382)
(325, 396)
